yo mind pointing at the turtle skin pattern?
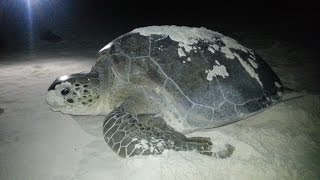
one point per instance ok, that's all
(146, 134)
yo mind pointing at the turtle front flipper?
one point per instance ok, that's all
(146, 134)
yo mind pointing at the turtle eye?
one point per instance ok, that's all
(65, 91)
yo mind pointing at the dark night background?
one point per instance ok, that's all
(296, 22)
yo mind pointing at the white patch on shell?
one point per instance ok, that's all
(181, 52)
(188, 37)
(252, 57)
(188, 59)
(217, 62)
(248, 68)
(195, 49)
(219, 70)
(277, 84)
(227, 52)
(185, 35)
(215, 47)
(211, 49)
(254, 64)
(233, 44)
(186, 47)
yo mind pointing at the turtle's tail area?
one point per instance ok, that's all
(292, 94)
(203, 145)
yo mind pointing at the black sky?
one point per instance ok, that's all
(289, 20)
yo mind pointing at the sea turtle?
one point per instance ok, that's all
(155, 82)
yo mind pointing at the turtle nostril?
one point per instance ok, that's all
(70, 100)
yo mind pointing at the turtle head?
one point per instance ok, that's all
(76, 94)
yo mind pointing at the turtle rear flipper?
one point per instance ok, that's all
(147, 134)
